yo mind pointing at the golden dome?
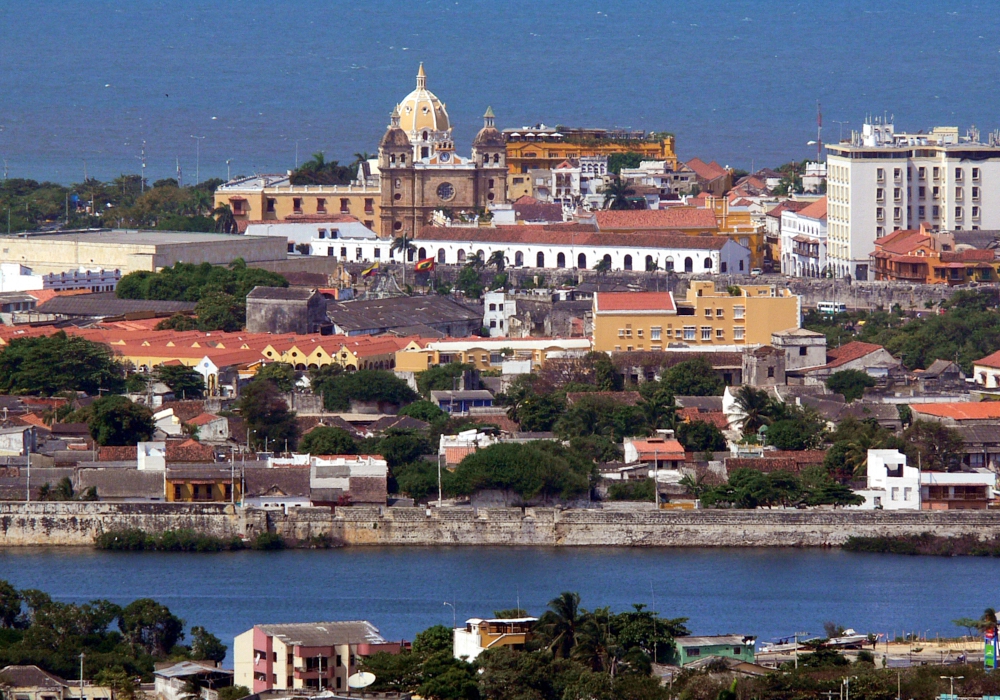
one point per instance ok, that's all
(421, 109)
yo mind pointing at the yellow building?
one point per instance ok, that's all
(485, 353)
(202, 485)
(626, 321)
(544, 148)
(273, 198)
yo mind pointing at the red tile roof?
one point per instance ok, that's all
(984, 410)
(992, 360)
(816, 210)
(659, 448)
(573, 234)
(635, 301)
(706, 171)
(203, 419)
(854, 350)
(677, 218)
(788, 205)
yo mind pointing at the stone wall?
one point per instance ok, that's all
(80, 523)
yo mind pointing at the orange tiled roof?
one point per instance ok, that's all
(203, 419)
(676, 218)
(581, 235)
(854, 350)
(706, 171)
(787, 205)
(635, 301)
(816, 210)
(658, 448)
(959, 411)
(991, 360)
(44, 295)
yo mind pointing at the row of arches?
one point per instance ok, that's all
(628, 262)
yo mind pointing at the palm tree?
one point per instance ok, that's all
(989, 619)
(362, 157)
(201, 200)
(652, 265)
(755, 405)
(595, 645)
(475, 260)
(616, 194)
(404, 245)
(560, 623)
(603, 266)
(498, 260)
(225, 220)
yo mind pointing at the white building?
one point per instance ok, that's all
(320, 230)
(479, 635)
(892, 485)
(497, 312)
(803, 241)
(882, 181)
(151, 456)
(18, 278)
(578, 181)
(814, 177)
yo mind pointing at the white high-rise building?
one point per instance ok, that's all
(881, 181)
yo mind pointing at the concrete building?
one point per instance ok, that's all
(543, 147)
(986, 371)
(333, 479)
(803, 348)
(498, 310)
(311, 655)
(479, 635)
(892, 485)
(959, 413)
(18, 278)
(803, 240)
(130, 251)
(401, 314)
(176, 682)
(814, 177)
(488, 353)
(881, 181)
(286, 310)
(656, 452)
(629, 321)
(926, 256)
(323, 231)
(32, 683)
(730, 646)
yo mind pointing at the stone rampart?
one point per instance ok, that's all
(79, 523)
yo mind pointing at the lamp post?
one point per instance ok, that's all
(81, 673)
(454, 614)
(952, 679)
(795, 637)
(197, 157)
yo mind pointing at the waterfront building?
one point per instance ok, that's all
(895, 485)
(479, 635)
(201, 484)
(543, 147)
(671, 183)
(176, 682)
(340, 479)
(656, 452)
(882, 181)
(29, 682)
(926, 256)
(688, 650)
(314, 655)
(803, 240)
(626, 321)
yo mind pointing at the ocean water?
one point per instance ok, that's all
(736, 81)
(402, 590)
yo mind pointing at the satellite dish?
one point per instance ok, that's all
(362, 679)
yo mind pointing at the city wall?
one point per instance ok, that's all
(79, 523)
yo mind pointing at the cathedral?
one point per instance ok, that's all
(420, 171)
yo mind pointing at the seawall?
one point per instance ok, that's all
(79, 523)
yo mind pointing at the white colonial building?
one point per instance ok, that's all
(803, 241)
(881, 181)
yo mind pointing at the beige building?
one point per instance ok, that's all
(626, 321)
(129, 251)
(487, 353)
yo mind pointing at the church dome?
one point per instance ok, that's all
(394, 136)
(488, 136)
(421, 109)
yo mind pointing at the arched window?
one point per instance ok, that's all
(422, 253)
(560, 260)
(649, 262)
(461, 256)
(425, 136)
(581, 262)
(540, 259)
(441, 257)
(518, 259)
(409, 255)
(668, 264)
(708, 263)
(627, 262)
(496, 157)
(482, 254)
(392, 158)
(688, 265)
(607, 259)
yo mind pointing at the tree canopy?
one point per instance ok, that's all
(849, 382)
(533, 469)
(266, 415)
(114, 420)
(185, 382)
(363, 385)
(47, 365)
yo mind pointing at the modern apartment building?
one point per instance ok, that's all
(881, 181)
(727, 319)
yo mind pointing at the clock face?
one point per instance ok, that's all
(445, 191)
(445, 157)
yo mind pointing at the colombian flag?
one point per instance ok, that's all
(370, 271)
(424, 265)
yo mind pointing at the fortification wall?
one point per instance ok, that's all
(79, 523)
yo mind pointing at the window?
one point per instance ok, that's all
(958, 194)
(621, 332)
(692, 651)
(720, 313)
(921, 211)
(935, 211)
(738, 332)
(975, 194)
(975, 212)
(369, 206)
(739, 311)
(322, 233)
(560, 260)
(922, 173)
(689, 332)
(343, 253)
(880, 214)
(357, 253)
(741, 265)
(897, 194)
(880, 195)
(329, 252)
(770, 375)
(708, 263)
(958, 212)
(898, 175)
(720, 334)
(627, 262)
(540, 260)
(897, 213)
(880, 175)
(639, 332)
(708, 313)
(802, 351)
(958, 174)
(297, 205)
(654, 333)
(975, 174)
(922, 191)
(706, 332)
(345, 205)
(937, 173)
(177, 492)
(321, 205)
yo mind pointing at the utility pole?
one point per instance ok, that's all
(142, 158)
(81, 673)
(796, 645)
(197, 158)
(85, 178)
(28, 494)
(180, 181)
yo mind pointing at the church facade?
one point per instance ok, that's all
(421, 172)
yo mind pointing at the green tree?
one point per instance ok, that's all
(218, 311)
(939, 447)
(849, 382)
(441, 377)
(602, 266)
(328, 441)
(206, 646)
(497, 260)
(183, 381)
(266, 415)
(756, 407)
(319, 171)
(282, 374)
(178, 322)
(424, 410)
(10, 604)
(233, 692)
(606, 376)
(558, 626)
(530, 470)
(798, 433)
(433, 640)
(48, 365)
(225, 219)
(114, 420)
(694, 377)
(629, 159)
(699, 436)
(617, 193)
(151, 626)
(367, 385)
(468, 282)
(403, 447)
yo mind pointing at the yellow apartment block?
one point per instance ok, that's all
(626, 321)
(485, 353)
(268, 198)
(738, 226)
(523, 156)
